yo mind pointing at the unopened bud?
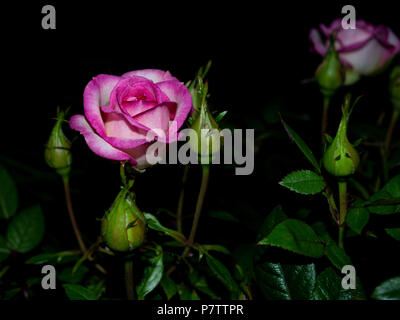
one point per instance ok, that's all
(330, 73)
(123, 226)
(341, 159)
(57, 153)
(206, 138)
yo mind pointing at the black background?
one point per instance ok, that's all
(260, 53)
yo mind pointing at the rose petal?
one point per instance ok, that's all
(139, 154)
(315, 38)
(96, 94)
(118, 125)
(122, 143)
(157, 118)
(177, 92)
(154, 75)
(129, 119)
(134, 88)
(95, 142)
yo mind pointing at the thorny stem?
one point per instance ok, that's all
(130, 288)
(332, 205)
(392, 124)
(72, 215)
(77, 233)
(343, 211)
(199, 205)
(324, 119)
(386, 146)
(181, 199)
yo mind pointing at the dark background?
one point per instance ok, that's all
(261, 59)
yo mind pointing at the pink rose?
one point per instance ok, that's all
(365, 50)
(121, 111)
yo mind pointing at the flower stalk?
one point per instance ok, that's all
(324, 119)
(179, 211)
(71, 214)
(199, 205)
(342, 210)
(129, 284)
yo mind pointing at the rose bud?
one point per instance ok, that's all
(205, 138)
(330, 73)
(394, 86)
(57, 153)
(341, 158)
(123, 226)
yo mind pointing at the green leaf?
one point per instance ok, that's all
(388, 290)
(222, 273)
(78, 292)
(215, 247)
(26, 229)
(333, 252)
(337, 255)
(295, 235)
(96, 285)
(152, 274)
(328, 286)
(200, 283)
(9, 294)
(66, 275)
(41, 258)
(276, 216)
(302, 146)
(394, 233)
(223, 215)
(357, 218)
(187, 293)
(286, 281)
(8, 195)
(220, 116)
(390, 191)
(169, 286)
(244, 255)
(153, 223)
(304, 182)
(55, 257)
(4, 250)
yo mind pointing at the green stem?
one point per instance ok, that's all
(72, 215)
(342, 211)
(392, 124)
(386, 146)
(130, 288)
(181, 199)
(199, 205)
(324, 120)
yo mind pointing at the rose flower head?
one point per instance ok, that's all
(363, 51)
(124, 115)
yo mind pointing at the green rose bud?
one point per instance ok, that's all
(123, 226)
(57, 153)
(394, 86)
(341, 158)
(330, 73)
(205, 138)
